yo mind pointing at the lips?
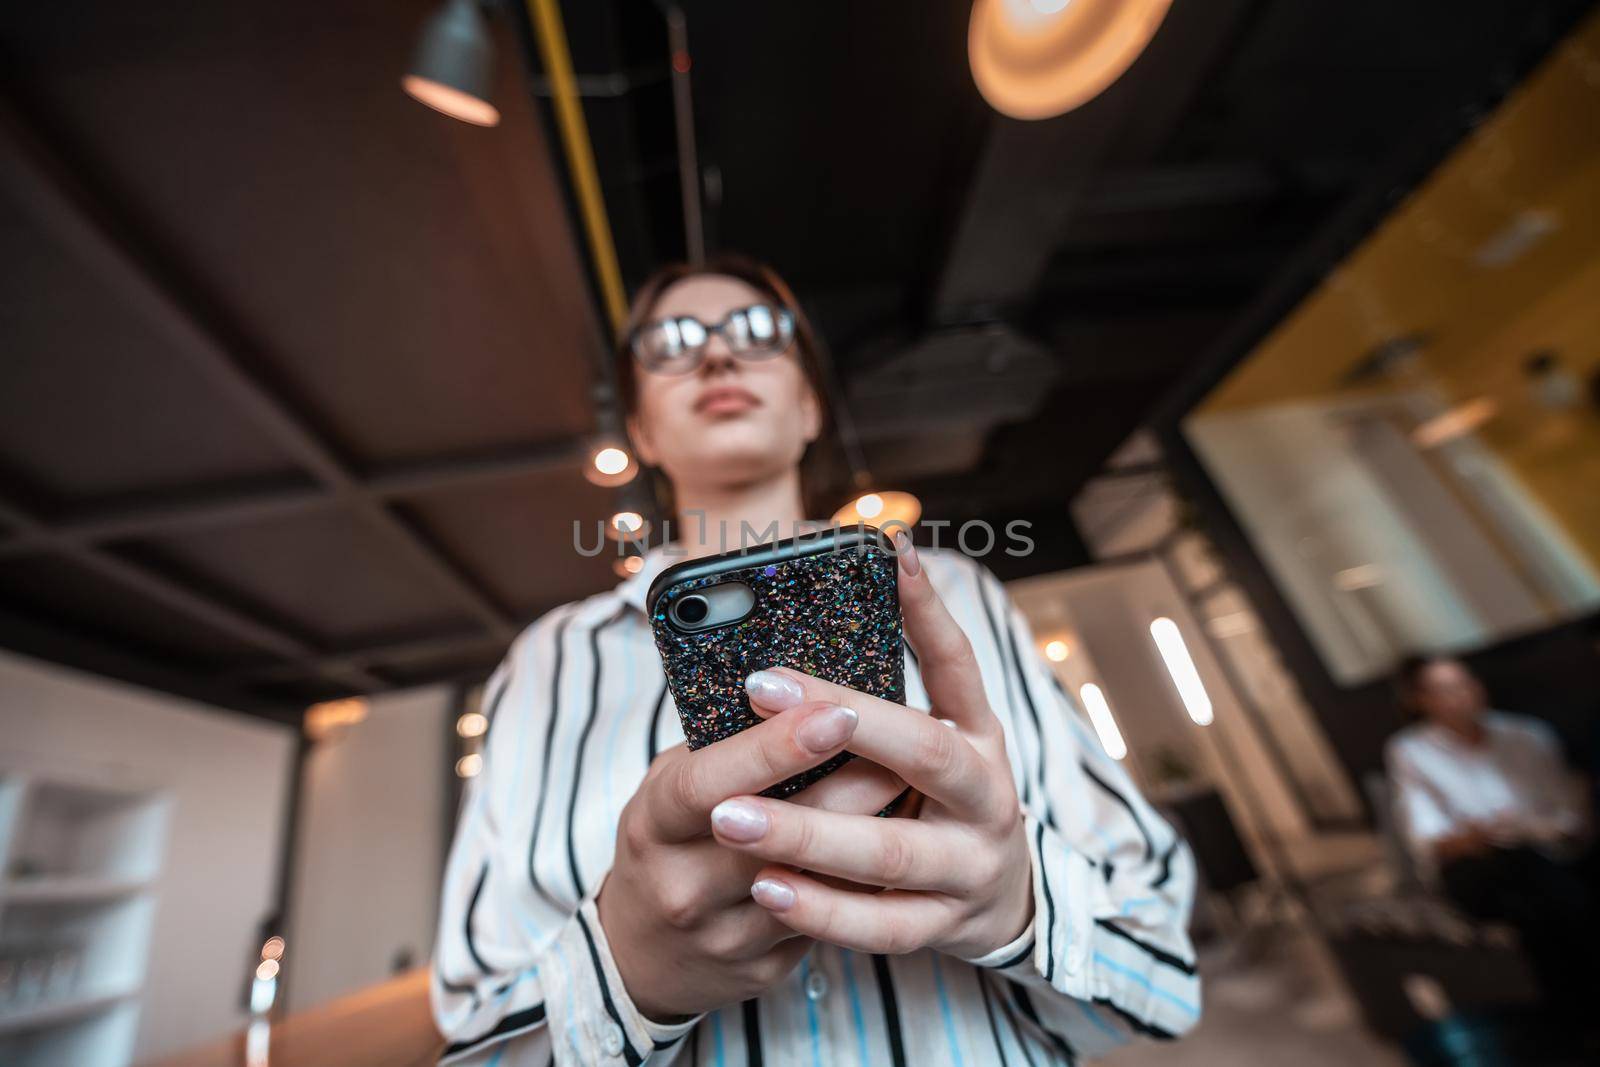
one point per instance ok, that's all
(726, 400)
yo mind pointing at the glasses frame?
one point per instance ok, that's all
(695, 355)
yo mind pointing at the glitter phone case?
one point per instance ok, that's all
(826, 604)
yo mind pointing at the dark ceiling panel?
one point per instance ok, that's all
(410, 281)
(64, 595)
(324, 573)
(518, 535)
(90, 403)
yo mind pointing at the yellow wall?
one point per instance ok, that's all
(1538, 156)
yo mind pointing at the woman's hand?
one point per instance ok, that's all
(958, 878)
(676, 906)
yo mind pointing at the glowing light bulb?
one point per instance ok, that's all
(870, 506)
(627, 521)
(1056, 651)
(273, 949)
(611, 461)
(268, 970)
(472, 724)
(1105, 724)
(1180, 665)
(469, 765)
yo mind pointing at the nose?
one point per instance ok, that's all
(717, 357)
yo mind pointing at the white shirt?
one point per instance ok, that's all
(523, 973)
(1515, 775)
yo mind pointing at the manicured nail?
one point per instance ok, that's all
(949, 722)
(827, 728)
(739, 821)
(907, 552)
(773, 894)
(774, 691)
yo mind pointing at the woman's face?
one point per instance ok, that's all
(729, 422)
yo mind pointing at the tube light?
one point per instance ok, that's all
(1180, 665)
(1105, 726)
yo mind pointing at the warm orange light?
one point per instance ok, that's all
(881, 510)
(610, 464)
(328, 718)
(627, 526)
(469, 766)
(628, 566)
(267, 971)
(1034, 59)
(472, 724)
(273, 949)
(1056, 651)
(452, 102)
(1457, 422)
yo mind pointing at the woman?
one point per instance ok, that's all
(615, 898)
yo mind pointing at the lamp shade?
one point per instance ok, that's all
(1034, 59)
(454, 64)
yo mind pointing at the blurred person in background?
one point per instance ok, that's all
(1494, 816)
(630, 901)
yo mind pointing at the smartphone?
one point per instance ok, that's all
(826, 604)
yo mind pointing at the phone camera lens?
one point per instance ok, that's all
(691, 610)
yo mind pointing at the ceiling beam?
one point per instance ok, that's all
(171, 512)
(85, 223)
(199, 606)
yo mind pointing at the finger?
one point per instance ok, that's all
(888, 923)
(689, 786)
(944, 654)
(893, 853)
(930, 756)
(860, 787)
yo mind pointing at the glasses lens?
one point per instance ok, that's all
(669, 346)
(759, 330)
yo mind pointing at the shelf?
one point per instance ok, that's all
(69, 889)
(52, 1012)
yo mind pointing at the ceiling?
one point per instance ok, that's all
(296, 371)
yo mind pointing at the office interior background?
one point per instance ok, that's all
(1286, 343)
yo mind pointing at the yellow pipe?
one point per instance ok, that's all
(546, 15)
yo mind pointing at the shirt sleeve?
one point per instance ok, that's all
(1559, 799)
(1107, 957)
(517, 977)
(1422, 819)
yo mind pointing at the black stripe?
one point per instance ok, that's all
(1025, 1002)
(1177, 963)
(1137, 1024)
(694, 1045)
(994, 1028)
(521, 1020)
(1166, 865)
(891, 1010)
(1017, 1028)
(1033, 709)
(1050, 909)
(1149, 843)
(583, 743)
(472, 906)
(651, 747)
(549, 746)
(1005, 676)
(1022, 954)
(752, 1034)
(633, 1058)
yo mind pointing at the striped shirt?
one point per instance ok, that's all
(523, 974)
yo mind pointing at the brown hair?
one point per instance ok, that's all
(764, 280)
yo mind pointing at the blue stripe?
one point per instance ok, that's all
(1129, 905)
(1140, 980)
(811, 1012)
(716, 1035)
(498, 1053)
(855, 1006)
(1105, 1028)
(944, 1010)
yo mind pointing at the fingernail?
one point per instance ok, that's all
(949, 722)
(907, 552)
(738, 821)
(827, 728)
(771, 893)
(773, 690)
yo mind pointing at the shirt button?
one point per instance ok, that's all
(816, 985)
(612, 1042)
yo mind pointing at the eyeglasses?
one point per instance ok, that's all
(677, 345)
